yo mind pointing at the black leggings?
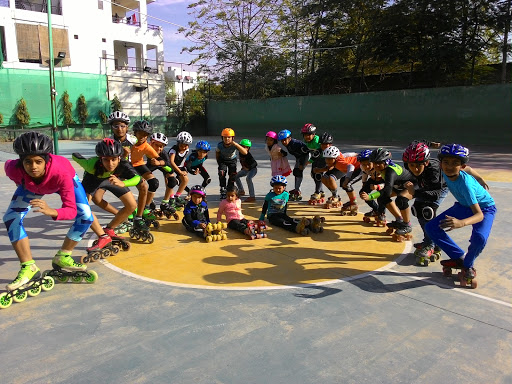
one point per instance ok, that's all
(239, 225)
(283, 220)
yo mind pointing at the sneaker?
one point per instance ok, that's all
(26, 273)
(67, 263)
(250, 199)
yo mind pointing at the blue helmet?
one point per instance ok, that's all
(364, 155)
(283, 134)
(278, 180)
(203, 145)
(454, 150)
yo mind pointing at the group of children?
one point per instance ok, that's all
(126, 160)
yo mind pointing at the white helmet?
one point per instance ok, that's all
(184, 137)
(331, 152)
(118, 116)
(160, 137)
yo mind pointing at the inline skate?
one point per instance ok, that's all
(333, 202)
(140, 231)
(166, 210)
(466, 276)
(316, 224)
(122, 228)
(316, 199)
(29, 282)
(215, 232)
(65, 268)
(120, 242)
(295, 195)
(349, 209)
(367, 218)
(426, 253)
(150, 218)
(101, 248)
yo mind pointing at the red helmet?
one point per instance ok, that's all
(416, 153)
(308, 129)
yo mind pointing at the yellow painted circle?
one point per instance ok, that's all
(346, 248)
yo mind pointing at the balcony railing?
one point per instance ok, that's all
(125, 20)
(136, 69)
(38, 6)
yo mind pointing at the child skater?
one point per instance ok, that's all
(195, 162)
(278, 160)
(36, 173)
(231, 207)
(312, 140)
(226, 155)
(369, 180)
(300, 151)
(474, 206)
(249, 169)
(195, 214)
(275, 205)
(177, 156)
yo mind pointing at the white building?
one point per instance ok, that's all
(184, 78)
(106, 40)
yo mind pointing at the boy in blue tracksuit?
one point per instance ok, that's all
(474, 206)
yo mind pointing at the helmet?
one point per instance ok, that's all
(454, 150)
(199, 189)
(160, 137)
(283, 134)
(109, 148)
(118, 116)
(32, 143)
(272, 135)
(326, 138)
(380, 154)
(227, 132)
(184, 138)
(308, 129)
(142, 125)
(278, 180)
(364, 155)
(203, 145)
(331, 152)
(246, 143)
(416, 153)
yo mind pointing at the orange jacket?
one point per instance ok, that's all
(138, 152)
(346, 164)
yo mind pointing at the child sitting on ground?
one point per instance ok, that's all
(195, 214)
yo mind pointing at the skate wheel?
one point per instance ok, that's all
(92, 276)
(20, 297)
(76, 279)
(138, 236)
(5, 302)
(35, 290)
(86, 259)
(366, 219)
(208, 239)
(105, 253)
(48, 283)
(474, 284)
(62, 279)
(115, 250)
(447, 271)
(150, 238)
(143, 237)
(389, 231)
(156, 224)
(433, 258)
(131, 233)
(343, 213)
(176, 217)
(126, 245)
(425, 262)
(224, 237)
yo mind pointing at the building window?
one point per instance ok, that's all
(103, 40)
(75, 37)
(104, 54)
(100, 4)
(33, 47)
(3, 50)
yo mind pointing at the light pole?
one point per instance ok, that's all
(140, 88)
(53, 92)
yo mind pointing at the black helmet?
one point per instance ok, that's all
(32, 143)
(326, 138)
(142, 125)
(380, 154)
(198, 189)
(109, 148)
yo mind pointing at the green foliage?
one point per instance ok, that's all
(67, 109)
(22, 116)
(115, 104)
(103, 117)
(81, 108)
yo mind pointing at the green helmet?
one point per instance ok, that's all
(246, 143)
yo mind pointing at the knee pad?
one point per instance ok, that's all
(317, 176)
(427, 211)
(298, 172)
(172, 182)
(402, 202)
(153, 184)
(206, 182)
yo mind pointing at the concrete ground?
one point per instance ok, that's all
(390, 322)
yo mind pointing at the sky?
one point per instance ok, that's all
(166, 12)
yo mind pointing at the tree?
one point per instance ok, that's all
(115, 104)
(81, 107)
(67, 106)
(103, 117)
(22, 116)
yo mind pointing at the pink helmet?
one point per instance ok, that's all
(272, 135)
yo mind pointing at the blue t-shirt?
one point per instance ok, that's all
(275, 203)
(468, 191)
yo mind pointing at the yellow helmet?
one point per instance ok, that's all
(227, 132)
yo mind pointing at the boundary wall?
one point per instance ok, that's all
(480, 115)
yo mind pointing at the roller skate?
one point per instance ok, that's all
(333, 202)
(261, 228)
(349, 209)
(64, 268)
(400, 231)
(29, 282)
(223, 193)
(302, 227)
(295, 195)
(316, 198)
(215, 232)
(256, 230)
(179, 201)
(140, 231)
(380, 220)
(101, 248)
(367, 218)
(150, 218)
(466, 276)
(167, 210)
(426, 253)
(122, 228)
(316, 224)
